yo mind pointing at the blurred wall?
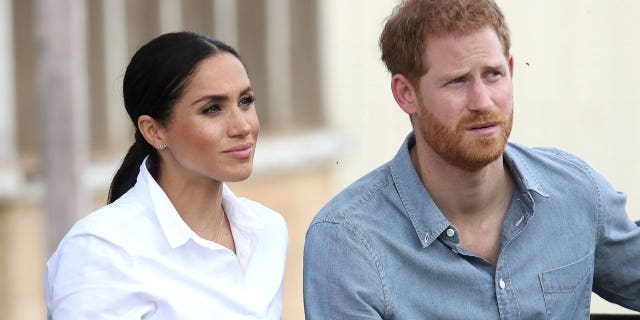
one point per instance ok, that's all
(574, 88)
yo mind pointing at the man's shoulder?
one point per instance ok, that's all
(549, 165)
(543, 156)
(351, 202)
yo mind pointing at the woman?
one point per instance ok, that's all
(174, 242)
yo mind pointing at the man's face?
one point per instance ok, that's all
(466, 101)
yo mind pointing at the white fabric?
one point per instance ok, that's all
(137, 259)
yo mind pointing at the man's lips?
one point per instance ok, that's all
(240, 151)
(484, 129)
(483, 125)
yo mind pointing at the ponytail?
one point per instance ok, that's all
(126, 176)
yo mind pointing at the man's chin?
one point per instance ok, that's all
(480, 155)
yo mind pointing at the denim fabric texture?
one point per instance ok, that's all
(381, 249)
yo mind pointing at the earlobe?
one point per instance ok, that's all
(151, 131)
(404, 94)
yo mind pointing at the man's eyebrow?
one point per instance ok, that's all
(496, 66)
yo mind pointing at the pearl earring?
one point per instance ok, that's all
(161, 147)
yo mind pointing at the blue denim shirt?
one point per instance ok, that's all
(381, 249)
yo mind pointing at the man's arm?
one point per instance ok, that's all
(617, 260)
(343, 276)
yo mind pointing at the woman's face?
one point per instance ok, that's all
(214, 126)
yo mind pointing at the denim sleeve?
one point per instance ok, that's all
(342, 274)
(617, 260)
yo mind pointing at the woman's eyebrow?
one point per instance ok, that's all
(220, 97)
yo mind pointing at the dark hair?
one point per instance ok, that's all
(154, 80)
(403, 39)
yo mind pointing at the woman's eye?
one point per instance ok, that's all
(248, 100)
(213, 108)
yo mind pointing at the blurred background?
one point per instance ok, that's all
(324, 102)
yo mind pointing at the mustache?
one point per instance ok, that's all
(477, 119)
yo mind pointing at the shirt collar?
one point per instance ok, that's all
(525, 178)
(427, 219)
(244, 221)
(175, 229)
(425, 216)
(241, 216)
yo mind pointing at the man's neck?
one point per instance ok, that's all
(475, 202)
(462, 192)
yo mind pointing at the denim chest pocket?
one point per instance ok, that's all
(567, 289)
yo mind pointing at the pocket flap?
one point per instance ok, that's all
(567, 278)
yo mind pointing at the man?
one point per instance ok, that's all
(462, 224)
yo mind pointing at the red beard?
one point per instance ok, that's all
(459, 148)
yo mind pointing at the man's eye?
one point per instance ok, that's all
(495, 74)
(457, 81)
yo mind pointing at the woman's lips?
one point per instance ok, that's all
(240, 151)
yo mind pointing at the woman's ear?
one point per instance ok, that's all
(405, 94)
(152, 131)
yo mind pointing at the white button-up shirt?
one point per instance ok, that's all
(137, 259)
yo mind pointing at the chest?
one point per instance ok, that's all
(196, 282)
(482, 238)
(543, 270)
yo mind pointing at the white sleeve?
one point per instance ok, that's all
(91, 278)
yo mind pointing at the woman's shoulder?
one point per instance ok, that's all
(268, 216)
(253, 210)
(114, 222)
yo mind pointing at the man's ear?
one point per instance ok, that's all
(405, 94)
(152, 131)
(511, 65)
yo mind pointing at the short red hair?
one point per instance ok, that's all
(403, 39)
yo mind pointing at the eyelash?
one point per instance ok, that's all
(248, 100)
(212, 108)
(215, 108)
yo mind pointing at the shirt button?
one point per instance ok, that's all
(450, 232)
(502, 284)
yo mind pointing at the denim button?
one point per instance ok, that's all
(450, 232)
(502, 284)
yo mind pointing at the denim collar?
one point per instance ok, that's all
(427, 219)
